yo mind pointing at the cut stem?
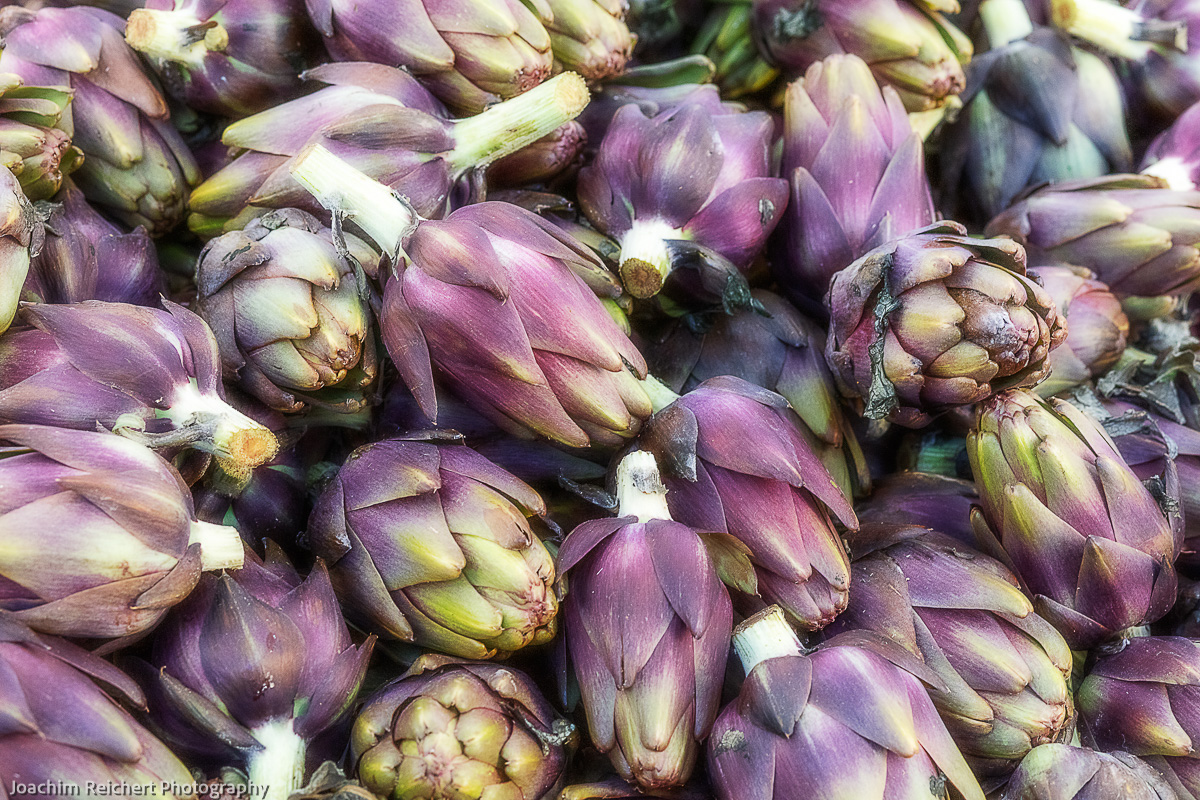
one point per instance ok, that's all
(640, 490)
(645, 257)
(659, 393)
(1005, 21)
(276, 771)
(208, 423)
(381, 213)
(517, 122)
(764, 636)
(1116, 29)
(178, 36)
(220, 545)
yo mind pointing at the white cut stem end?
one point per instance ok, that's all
(640, 490)
(277, 770)
(220, 546)
(764, 636)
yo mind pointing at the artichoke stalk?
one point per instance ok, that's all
(551, 362)
(936, 319)
(647, 628)
(843, 720)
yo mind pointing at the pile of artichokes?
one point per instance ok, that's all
(600, 399)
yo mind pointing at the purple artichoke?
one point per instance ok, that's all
(470, 53)
(230, 58)
(63, 735)
(137, 166)
(856, 169)
(936, 319)
(86, 257)
(1097, 328)
(288, 305)
(647, 626)
(1064, 511)
(736, 462)
(777, 348)
(98, 537)
(21, 235)
(840, 720)
(550, 361)
(382, 122)
(922, 498)
(253, 668)
(149, 374)
(1064, 772)
(451, 728)
(430, 543)
(689, 177)
(1005, 670)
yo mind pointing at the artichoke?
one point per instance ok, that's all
(1065, 772)
(288, 305)
(1174, 155)
(1006, 670)
(587, 36)
(935, 320)
(1064, 511)
(775, 347)
(151, 375)
(98, 538)
(1138, 236)
(137, 166)
(843, 721)
(470, 53)
(32, 144)
(1097, 328)
(430, 543)
(64, 735)
(907, 43)
(550, 361)
(252, 669)
(230, 58)
(21, 236)
(86, 257)
(856, 168)
(736, 462)
(450, 729)
(923, 498)
(690, 182)
(647, 628)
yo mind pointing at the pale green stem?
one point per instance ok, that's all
(220, 545)
(640, 490)
(764, 636)
(517, 122)
(659, 393)
(1005, 21)
(1116, 29)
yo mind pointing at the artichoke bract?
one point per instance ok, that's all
(1167, 78)
(98, 538)
(907, 43)
(1038, 110)
(136, 164)
(225, 57)
(32, 144)
(470, 53)
(647, 626)
(1064, 772)
(450, 728)
(1097, 328)
(736, 462)
(689, 177)
(1140, 701)
(1138, 236)
(1174, 155)
(936, 319)
(1064, 511)
(289, 308)
(550, 361)
(64, 734)
(587, 36)
(149, 374)
(923, 498)
(21, 235)
(1006, 670)
(856, 168)
(843, 720)
(381, 121)
(254, 668)
(86, 257)
(777, 348)
(430, 543)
